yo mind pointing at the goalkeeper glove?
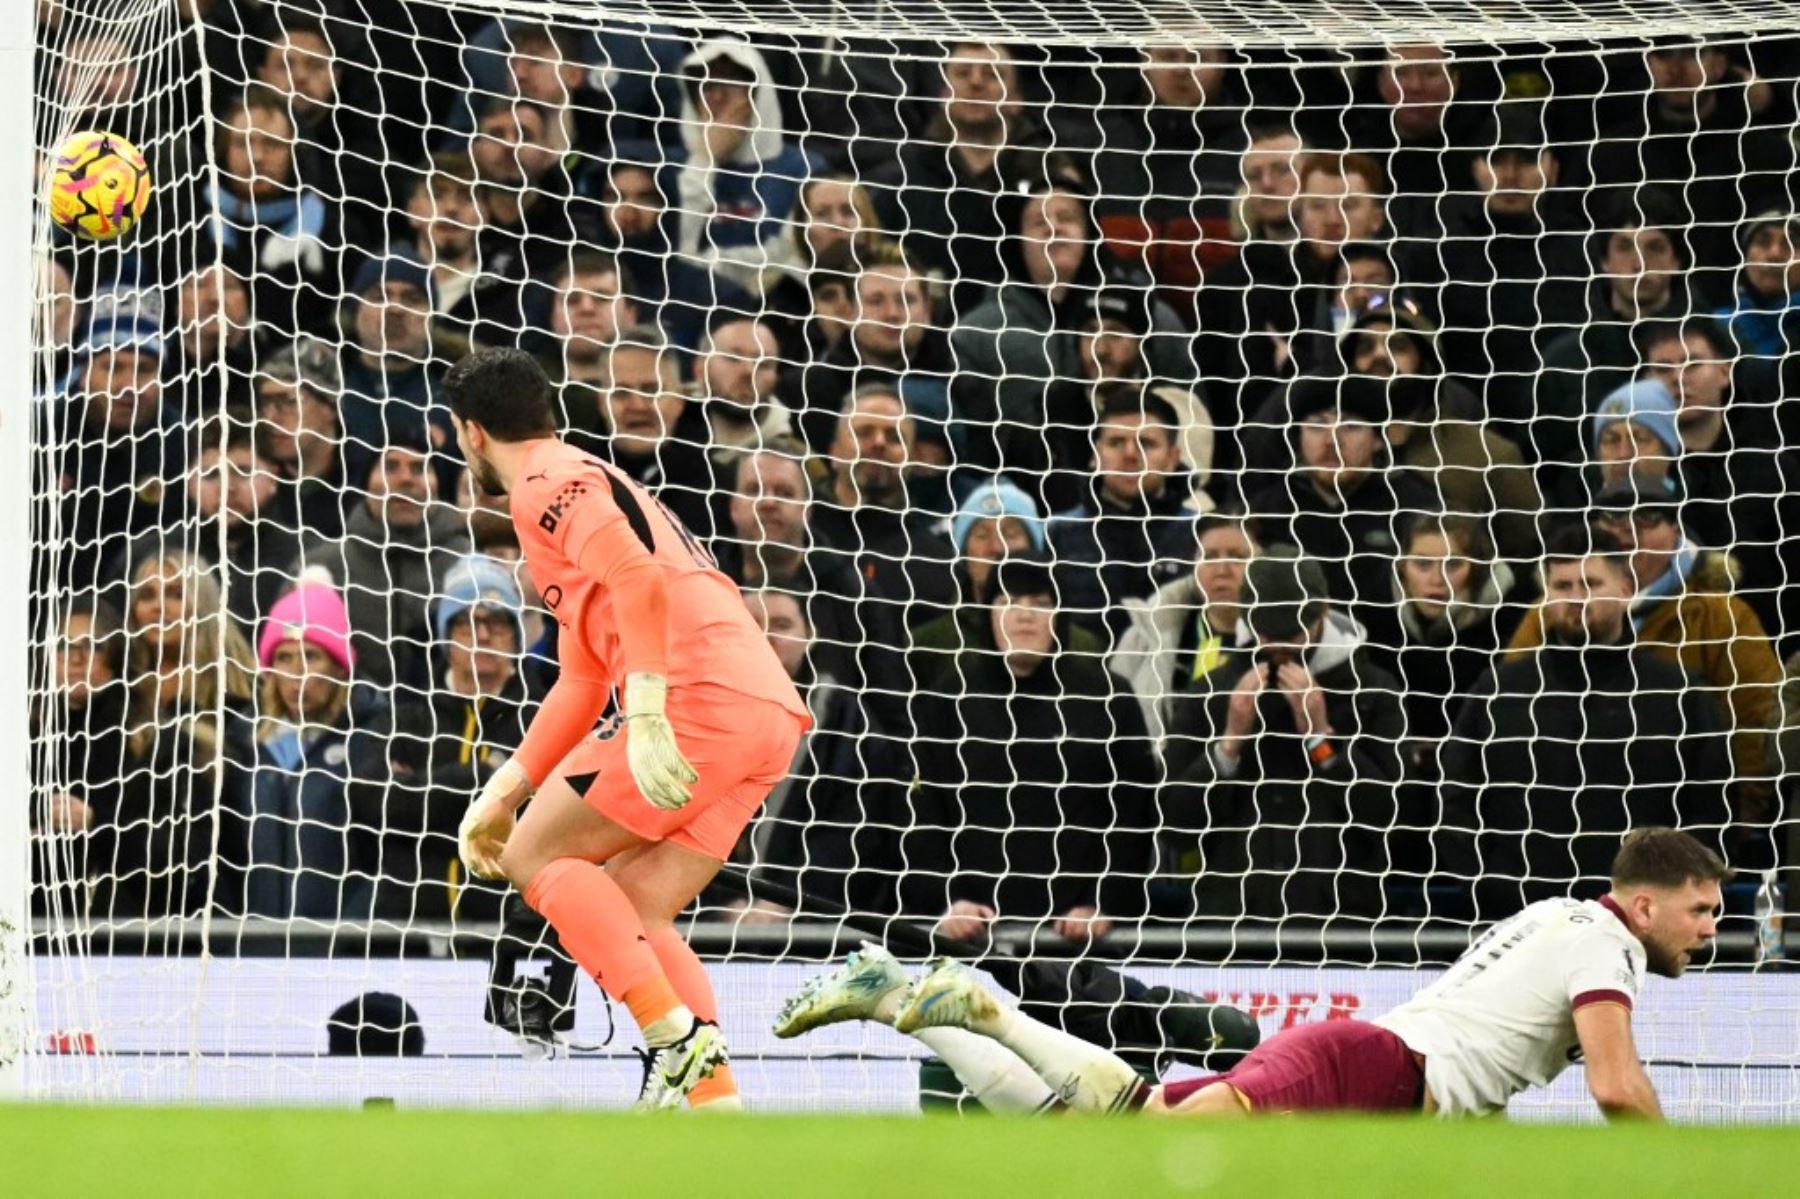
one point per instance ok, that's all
(662, 775)
(489, 821)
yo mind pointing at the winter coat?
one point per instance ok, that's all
(733, 212)
(1035, 795)
(445, 748)
(1107, 553)
(1559, 753)
(817, 391)
(1282, 835)
(1011, 352)
(1716, 637)
(389, 575)
(1155, 643)
(304, 827)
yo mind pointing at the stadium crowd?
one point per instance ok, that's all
(1183, 483)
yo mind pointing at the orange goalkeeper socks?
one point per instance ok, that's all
(682, 966)
(602, 931)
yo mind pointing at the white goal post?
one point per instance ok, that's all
(1146, 432)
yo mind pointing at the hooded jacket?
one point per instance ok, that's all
(734, 212)
(1284, 834)
(1157, 628)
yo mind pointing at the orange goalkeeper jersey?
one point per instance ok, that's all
(587, 529)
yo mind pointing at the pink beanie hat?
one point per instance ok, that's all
(313, 612)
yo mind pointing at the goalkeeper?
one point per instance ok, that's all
(1551, 985)
(623, 832)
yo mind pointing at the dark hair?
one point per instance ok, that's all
(1116, 398)
(1573, 542)
(1261, 128)
(1654, 333)
(1020, 575)
(1626, 209)
(565, 40)
(589, 262)
(504, 391)
(1665, 857)
(1367, 251)
(106, 627)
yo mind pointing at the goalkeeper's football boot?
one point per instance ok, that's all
(853, 991)
(673, 1070)
(951, 996)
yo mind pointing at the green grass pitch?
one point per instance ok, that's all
(189, 1153)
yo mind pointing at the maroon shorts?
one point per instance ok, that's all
(1335, 1065)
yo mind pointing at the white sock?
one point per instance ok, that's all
(994, 1074)
(669, 1027)
(1084, 1076)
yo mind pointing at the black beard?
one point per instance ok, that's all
(486, 477)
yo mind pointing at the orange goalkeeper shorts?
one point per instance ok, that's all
(740, 747)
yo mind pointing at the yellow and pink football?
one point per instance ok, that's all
(99, 185)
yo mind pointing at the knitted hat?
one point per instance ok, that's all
(1283, 594)
(397, 268)
(1361, 398)
(1645, 402)
(997, 498)
(480, 581)
(313, 612)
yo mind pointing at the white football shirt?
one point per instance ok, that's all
(1502, 1019)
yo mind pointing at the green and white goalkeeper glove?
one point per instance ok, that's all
(662, 775)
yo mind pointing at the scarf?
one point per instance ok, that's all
(1671, 582)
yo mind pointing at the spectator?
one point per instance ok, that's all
(528, 218)
(891, 339)
(233, 518)
(537, 659)
(64, 306)
(1640, 278)
(275, 230)
(945, 194)
(769, 547)
(1113, 325)
(1683, 609)
(1288, 756)
(189, 677)
(1010, 352)
(1189, 628)
(834, 210)
(1631, 742)
(443, 219)
(1264, 208)
(735, 387)
(1135, 529)
(396, 548)
(1635, 432)
(1737, 467)
(1036, 797)
(1764, 315)
(1711, 132)
(1456, 610)
(1343, 504)
(118, 449)
(1420, 131)
(828, 832)
(996, 521)
(739, 175)
(390, 372)
(298, 434)
(319, 766)
(213, 349)
(78, 739)
(446, 747)
(647, 428)
(1364, 277)
(1170, 163)
(592, 303)
(871, 540)
(640, 230)
(1276, 290)
(1501, 271)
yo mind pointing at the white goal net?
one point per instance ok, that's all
(1250, 493)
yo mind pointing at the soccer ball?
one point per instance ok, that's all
(99, 185)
